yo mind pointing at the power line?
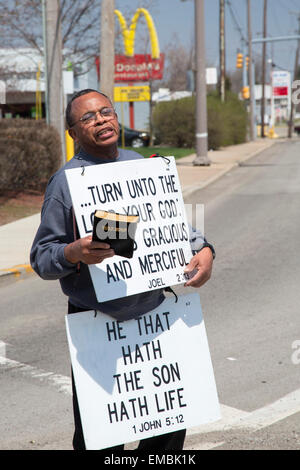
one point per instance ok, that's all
(236, 21)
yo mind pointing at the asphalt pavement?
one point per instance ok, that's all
(17, 237)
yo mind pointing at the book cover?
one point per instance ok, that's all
(116, 229)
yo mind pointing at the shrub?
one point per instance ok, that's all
(236, 119)
(30, 152)
(174, 121)
(216, 127)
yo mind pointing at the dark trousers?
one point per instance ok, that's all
(170, 441)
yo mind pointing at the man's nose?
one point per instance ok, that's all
(98, 117)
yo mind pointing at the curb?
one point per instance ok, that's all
(191, 189)
(15, 273)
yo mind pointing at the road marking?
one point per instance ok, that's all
(232, 418)
(229, 417)
(61, 382)
(272, 413)
(2, 349)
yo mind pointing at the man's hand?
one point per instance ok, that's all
(87, 251)
(202, 263)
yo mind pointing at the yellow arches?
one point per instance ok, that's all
(129, 34)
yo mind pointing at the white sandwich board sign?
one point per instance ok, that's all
(151, 189)
(143, 377)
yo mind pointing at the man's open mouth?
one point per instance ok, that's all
(106, 132)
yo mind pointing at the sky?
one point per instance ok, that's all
(175, 16)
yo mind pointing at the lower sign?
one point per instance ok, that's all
(143, 377)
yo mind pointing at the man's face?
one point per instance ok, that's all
(97, 134)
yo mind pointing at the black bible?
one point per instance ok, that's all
(118, 230)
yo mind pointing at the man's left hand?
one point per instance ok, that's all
(201, 263)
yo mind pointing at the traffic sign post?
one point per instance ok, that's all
(130, 94)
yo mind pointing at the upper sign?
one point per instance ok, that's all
(149, 188)
(139, 68)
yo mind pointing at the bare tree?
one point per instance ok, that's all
(21, 26)
(178, 60)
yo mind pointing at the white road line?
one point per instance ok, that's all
(272, 413)
(232, 418)
(61, 382)
(2, 349)
(229, 417)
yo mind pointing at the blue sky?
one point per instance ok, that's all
(174, 16)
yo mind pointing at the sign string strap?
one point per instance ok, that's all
(169, 289)
(166, 159)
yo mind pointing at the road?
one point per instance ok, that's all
(251, 312)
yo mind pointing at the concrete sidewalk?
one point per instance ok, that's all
(16, 237)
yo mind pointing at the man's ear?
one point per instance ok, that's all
(72, 133)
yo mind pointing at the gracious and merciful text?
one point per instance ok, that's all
(156, 201)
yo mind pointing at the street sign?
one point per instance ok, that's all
(280, 83)
(2, 92)
(139, 68)
(211, 76)
(68, 82)
(131, 93)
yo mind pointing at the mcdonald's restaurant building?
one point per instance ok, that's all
(22, 79)
(18, 71)
(22, 73)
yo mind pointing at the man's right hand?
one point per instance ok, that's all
(87, 251)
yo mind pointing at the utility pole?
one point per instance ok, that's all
(222, 49)
(45, 62)
(107, 48)
(291, 118)
(250, 72)
(54, 83)
(263, 71)
(201, 106)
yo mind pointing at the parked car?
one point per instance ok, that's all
(297, 129)
(134, 138)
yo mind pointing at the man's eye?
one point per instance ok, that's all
(106, 111)
(87, 117)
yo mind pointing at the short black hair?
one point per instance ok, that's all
(74, 97)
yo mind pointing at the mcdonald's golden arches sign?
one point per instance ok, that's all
(132, 67)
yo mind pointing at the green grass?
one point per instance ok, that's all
(165, 151)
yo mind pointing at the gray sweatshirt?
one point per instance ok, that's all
(56, 231)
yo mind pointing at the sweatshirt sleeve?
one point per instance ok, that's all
(197, 240)
(54, 233)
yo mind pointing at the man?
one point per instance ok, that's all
(59, 253)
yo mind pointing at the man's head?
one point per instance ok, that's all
(93, 122)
